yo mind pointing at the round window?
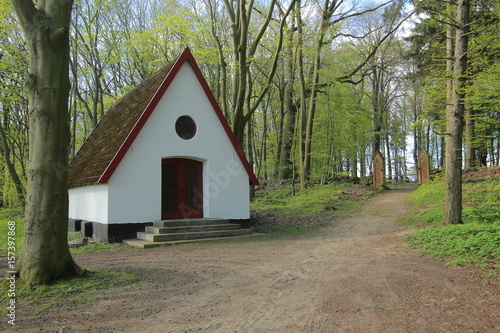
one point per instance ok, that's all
(185, 127)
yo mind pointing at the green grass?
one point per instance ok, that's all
(476, 242)
(92, 280)
(101, 248)
(280, 199)
(427, 202)
(278, 209)
(11, 225)
(75, 290)
(75, 236)
(467, 244)
(481, 200)
(66, 291)
(14, 217)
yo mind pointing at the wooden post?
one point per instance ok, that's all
(378, 169)
(423, 166)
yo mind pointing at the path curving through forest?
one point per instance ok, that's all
(356, 275)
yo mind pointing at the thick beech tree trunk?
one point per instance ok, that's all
(455, 120)
(45, 254)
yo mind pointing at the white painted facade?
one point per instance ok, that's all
(89, 203)
(133, 193)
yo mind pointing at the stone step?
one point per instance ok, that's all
(144, 244)
(187, 222)
(191, 228)
(191, 235)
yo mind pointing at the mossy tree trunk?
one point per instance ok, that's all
(45, 254)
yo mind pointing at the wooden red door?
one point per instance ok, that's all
(181, 189)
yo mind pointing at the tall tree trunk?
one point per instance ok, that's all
(377, 109)
(362, 162)
(327, 13)
(10, 166)
(388, 158)
(454, 129)
(354, 170)
(496, 153)
(223, 98)
(497, 163)
(302, 96)
(45, 254)
(442, 142)
(449, 81)
(310, 115)
(263, 146)
(492, 152)
(240, 13)
(285, 163)
(417, 129)
(470, 150)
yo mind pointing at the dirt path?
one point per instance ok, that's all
(356, 275)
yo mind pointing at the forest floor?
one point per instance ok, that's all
(482, 172)
(355, 275)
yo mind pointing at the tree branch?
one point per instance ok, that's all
(262, 30)
(26, 11)
(274, 65)
(347, 78)
(358, 13)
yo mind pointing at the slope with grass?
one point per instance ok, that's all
(282, 208)
(477, 241)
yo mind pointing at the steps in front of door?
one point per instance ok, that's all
(170, 232)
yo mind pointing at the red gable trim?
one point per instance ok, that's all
(222, 119)
(185, 56)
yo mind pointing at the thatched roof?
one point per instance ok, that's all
(103, 150)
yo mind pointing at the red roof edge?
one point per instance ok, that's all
(222, 119)
(185, 56)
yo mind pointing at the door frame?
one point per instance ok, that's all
(184, 209)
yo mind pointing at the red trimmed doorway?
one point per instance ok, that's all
(181, 188)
